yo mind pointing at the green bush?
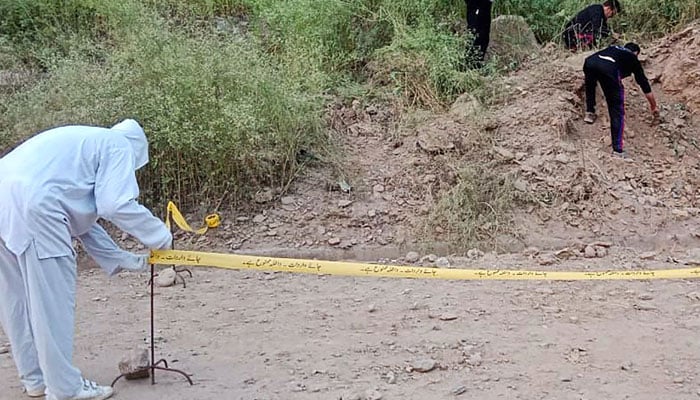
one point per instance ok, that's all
(220, 115)
(198, 8)
(423, 67)
(42, 30)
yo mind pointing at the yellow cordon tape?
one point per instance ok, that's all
(234, 261)
(210, 221)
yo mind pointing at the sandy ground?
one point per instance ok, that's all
(254, 335)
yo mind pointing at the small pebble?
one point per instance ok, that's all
(412, 257)
(459, 390)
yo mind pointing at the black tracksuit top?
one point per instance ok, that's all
(590, 20)
(625, 62)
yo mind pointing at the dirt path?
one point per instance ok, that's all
(250, 335)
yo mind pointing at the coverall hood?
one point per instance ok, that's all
(133, 132)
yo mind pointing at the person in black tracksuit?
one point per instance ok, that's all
(608, 67)
(590, 25)
(479, 24)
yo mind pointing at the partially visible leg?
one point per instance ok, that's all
(14, 317)
(51, 288)
(615, 98)
(472, 56)
(483, 35)
(569, 37)
(472, 14)
(585, 41)
(591, 81)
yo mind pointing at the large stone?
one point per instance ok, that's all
(166, 277)
(466, 106)
(263, 196)
(441, 135)
(512, 40)
(693, 256)
(589, 252)
(442, 262)
(435, 141)
(135, 365)
(412, 257)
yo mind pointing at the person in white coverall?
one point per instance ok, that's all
(53, 188)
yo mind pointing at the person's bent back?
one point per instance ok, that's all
(53, 188)
(590, 25)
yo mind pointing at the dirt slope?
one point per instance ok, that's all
(577, 192)
(647, 203)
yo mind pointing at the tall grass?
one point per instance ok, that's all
(221, 115)
(642, 18)
(652, 18)
(41, 31)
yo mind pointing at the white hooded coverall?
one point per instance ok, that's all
(54, 187)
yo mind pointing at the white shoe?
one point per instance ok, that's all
(590, 118)
(38, 392)
(89, 391)
(623, 155)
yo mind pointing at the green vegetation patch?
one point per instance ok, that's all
(221, 115)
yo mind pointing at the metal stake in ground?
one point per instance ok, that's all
(155, 365)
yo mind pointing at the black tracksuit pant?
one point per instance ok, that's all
(606, 72)
(479, 24)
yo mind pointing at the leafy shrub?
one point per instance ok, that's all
(655, 18)
(423, 67)
(42, 30)
(221, 116)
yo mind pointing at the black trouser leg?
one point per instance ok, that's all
(591, 79)
(615, 97)
(484, 30)
(569, 39)
(479, 24)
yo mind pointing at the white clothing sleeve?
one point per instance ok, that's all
(100, 246)
(116, 191)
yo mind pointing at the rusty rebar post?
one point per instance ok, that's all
(155, 364)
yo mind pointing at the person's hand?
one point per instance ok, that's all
(655, 115)
(167, 244)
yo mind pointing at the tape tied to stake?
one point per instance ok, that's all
(319, 267)
(210, 221)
